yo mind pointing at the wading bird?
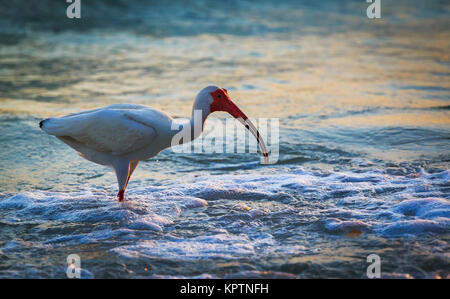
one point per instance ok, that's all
(121, 135)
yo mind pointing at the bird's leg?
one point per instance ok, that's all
(122, 169)
(120, 195)
(133, 166)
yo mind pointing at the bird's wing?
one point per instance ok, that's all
(115, 131)
(113, 106)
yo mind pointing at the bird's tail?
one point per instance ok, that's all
(52, 126)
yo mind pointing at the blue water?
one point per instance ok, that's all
(363, 165)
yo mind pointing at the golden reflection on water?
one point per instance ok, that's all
(397, 120)
(390, 75)
(308, 75)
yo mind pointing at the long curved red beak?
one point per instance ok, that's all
(234, 110)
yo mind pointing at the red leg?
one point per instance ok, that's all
(120, 195)
(133, 166)
(128, 179)
(120, 176)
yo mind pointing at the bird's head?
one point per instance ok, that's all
(212, 98)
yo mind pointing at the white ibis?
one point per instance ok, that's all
(121, 135)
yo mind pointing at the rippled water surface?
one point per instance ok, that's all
(363, 166)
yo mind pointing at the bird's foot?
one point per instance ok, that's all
(120, 195)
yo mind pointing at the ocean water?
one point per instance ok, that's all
(364, 139)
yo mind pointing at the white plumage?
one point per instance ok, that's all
(116, 129)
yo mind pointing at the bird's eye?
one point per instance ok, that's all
(219, 96)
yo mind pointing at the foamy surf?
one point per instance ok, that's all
(233, 217)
